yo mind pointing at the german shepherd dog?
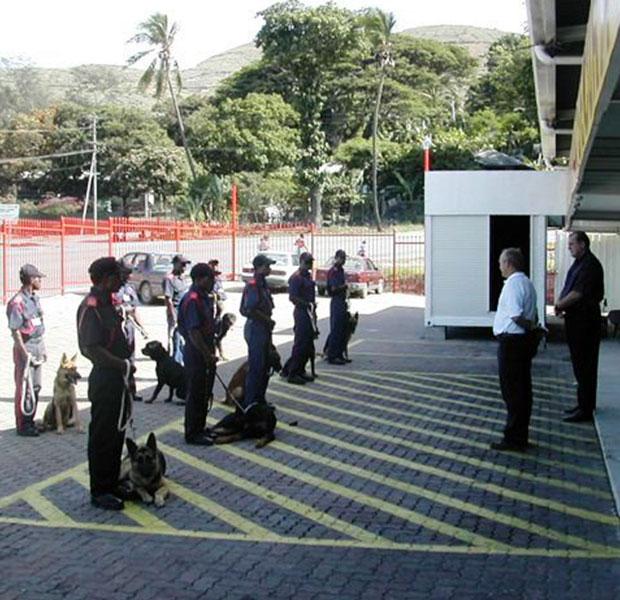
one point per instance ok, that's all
(169, 372)
(62, 411)
(349, 329)
(143, 470)
(222, 326)
(259, 421)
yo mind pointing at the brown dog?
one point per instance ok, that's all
(143, 471)
(62, 411)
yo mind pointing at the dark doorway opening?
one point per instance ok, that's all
(506, 231)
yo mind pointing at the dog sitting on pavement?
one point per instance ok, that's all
(169, 372)
(222, 326)
(142, 472)
(62, 411)
(350, 326)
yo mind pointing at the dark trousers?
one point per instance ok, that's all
(337, 327)
(105, 442)
(258, 338)
(200, 380)
(514, 357)
(24, 414)
(583, 334)
(303, 344)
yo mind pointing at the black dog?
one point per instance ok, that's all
(169, 372)
(349, 329)
(222, 326)
(258, 422)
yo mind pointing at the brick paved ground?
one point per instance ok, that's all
(380, 485)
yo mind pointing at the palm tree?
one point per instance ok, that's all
(163, 68)
(380, 26)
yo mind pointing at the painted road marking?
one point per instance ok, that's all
(483, 464)
(416, 394)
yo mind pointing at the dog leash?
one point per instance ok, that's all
(125, 416)
(27, 401)
(230, 396)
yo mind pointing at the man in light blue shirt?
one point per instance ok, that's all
(515, 318)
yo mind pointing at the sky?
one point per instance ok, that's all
(66, 33)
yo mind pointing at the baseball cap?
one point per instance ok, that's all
(306, 257)
(103, 267)
(201, 270)
(260, 260)
(181, 258)
(29, 270)
(124, 267)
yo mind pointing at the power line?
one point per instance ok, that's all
(6, 161)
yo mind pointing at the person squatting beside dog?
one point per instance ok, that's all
(515, 319)
(301, 289)
(25, 317)
(175, 286)
(197, 326)
(102, 341)
(257, 307)
(337, 290)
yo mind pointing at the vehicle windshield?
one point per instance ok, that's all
(352, 264)
(282, 260)
(162, 262)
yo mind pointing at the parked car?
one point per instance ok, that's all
(361, 274)
(148, 272)
(286, 264)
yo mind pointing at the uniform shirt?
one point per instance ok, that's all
(301, 285)
(256, 296)
(196, 312)
(100, 324)
(25, 315)
(518, 299)
(175, 287)
(126, 298)
(586, 277)
(336, 278)
(218, 289)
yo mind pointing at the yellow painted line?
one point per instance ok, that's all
(445, 422)
(553, 388)
(367, 500)
(541, 403)
(217, 510)
(326, 543)
(413, 401)
(501, 491)
(483, 464)
(305, 510)
(47, 509)
(132, 510)
(449, 501)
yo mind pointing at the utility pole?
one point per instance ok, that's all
(92, 178)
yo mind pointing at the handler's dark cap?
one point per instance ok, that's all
(124, 267)
(306, 257)
(29, 270)
(260, 260)
(103, 267)
(181, 259)
(201, 270)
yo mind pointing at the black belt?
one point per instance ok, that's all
(508, 336)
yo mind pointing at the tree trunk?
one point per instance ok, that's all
(316, 197)
(375, 126)
(190, 160)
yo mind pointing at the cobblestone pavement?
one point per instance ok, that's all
(380, 485)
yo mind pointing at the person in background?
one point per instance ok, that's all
(219, 295)
(300, 245)
(361, 251)
(579, 303)
(175, 286)
(263, 244)
(25, 317)
(515, 319)
(337, 290)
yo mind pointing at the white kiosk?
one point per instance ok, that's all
(470, 217)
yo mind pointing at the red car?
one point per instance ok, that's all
(361, 274)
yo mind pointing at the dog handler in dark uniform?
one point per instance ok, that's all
(26, 324)
(197, 325)
(337, 290)
(101, 340)
(301, 290)
(257, 307)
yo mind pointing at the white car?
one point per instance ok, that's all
(286, 264)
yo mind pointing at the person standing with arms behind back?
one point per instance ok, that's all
(515, 318)
(337, 290)
(579, 302)
(175, 286)
(26, 324)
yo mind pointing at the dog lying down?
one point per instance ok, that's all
(258, 422)
(143, 470)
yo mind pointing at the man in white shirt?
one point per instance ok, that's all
(515, 318)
